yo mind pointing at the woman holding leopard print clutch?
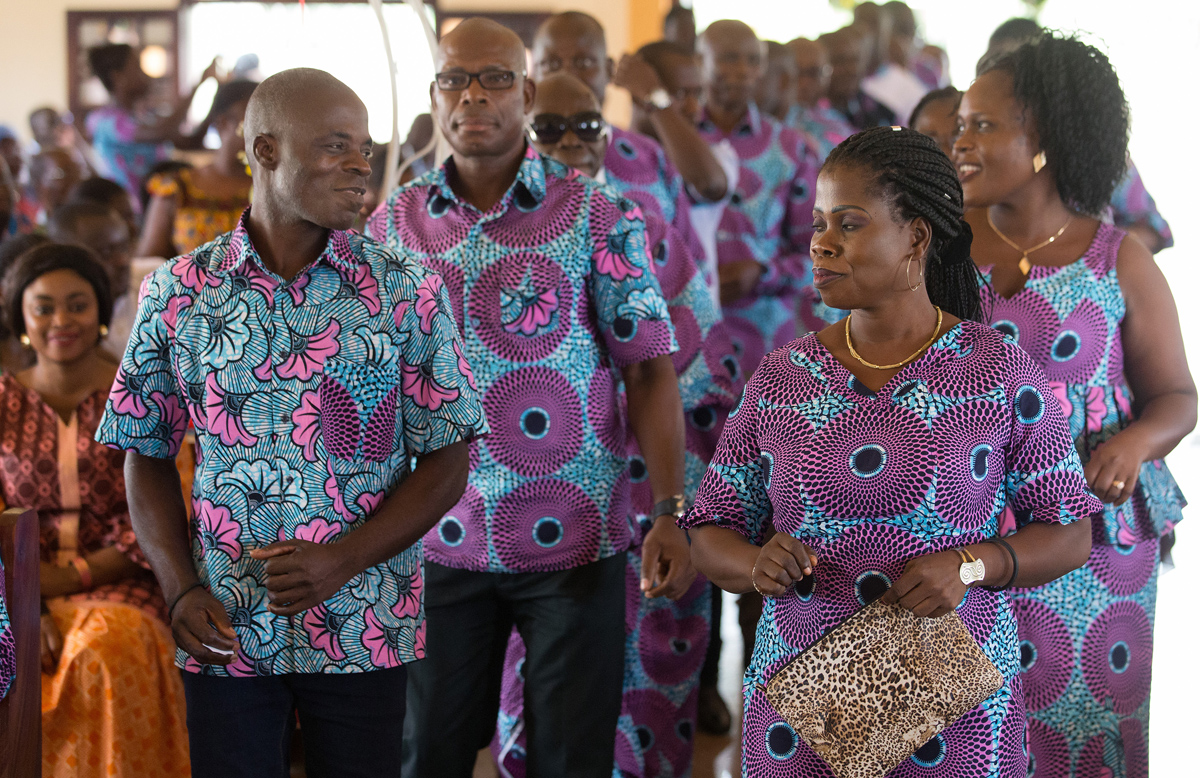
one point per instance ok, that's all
(883, 449)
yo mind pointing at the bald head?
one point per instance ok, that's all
(563, 93)
(733, 60)
(849, 56)
(573, 42)
(725, 32)
(812, 70)
(483, 37)
(308, 144)
(775, 88)
(290, 98)
(477, 122)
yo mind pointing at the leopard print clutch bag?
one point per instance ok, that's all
(873, 690)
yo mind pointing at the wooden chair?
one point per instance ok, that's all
(21, 710)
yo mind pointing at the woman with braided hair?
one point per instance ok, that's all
(881, 446)
(1043, 144)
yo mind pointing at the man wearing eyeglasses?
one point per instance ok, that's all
(550, 280)
(811, 112)
(665, 639)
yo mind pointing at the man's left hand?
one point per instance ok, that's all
(301, 574)
(667, 569)
(636, 75)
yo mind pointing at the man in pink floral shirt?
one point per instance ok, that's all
(314, 364)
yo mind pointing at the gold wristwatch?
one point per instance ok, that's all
(971, 569)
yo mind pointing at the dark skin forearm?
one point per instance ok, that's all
(724, 556)
(108, 565)
(159, 520)
(656, 418)
(692, 157)
(930, 585)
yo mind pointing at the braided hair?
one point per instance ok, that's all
(1079, 109)
(913, 173)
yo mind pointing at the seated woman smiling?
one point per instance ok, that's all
(112, 701)
(881, 446)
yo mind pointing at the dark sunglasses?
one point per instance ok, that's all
(550, 127)
(457, 80)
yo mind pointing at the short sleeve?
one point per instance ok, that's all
(733, 493)
(630, 309)
(1044, 479)
(440, 401)
(146, 411)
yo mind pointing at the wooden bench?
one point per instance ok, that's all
(21, 710)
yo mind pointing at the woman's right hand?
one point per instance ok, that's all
(783, 561)
(201, 628)
(52, 644)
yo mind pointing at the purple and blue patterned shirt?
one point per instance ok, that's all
(309, 398)
(1132, 205)
(553, 290)
(126, 160)
(823, 125)
(769, 220)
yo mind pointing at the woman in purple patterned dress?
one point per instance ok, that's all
(1043, 145)
(880, 445)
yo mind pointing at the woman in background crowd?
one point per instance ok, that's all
(937, 116)
(190, 207)
(1043, 144)
(112, 700)
(126, 140)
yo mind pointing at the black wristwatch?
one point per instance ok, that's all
(672, 506)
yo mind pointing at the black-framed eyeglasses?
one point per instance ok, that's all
(551, 127)
(458, 80)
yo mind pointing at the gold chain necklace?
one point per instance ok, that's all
(918, 352)
(1025, 265)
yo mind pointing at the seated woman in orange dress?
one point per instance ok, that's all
(190, 207)
(112, 701)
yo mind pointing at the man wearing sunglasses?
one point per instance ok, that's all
(550, 280)
(574, 42)
(811, 112)
(565, 124)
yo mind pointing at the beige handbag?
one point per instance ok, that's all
(874, 689)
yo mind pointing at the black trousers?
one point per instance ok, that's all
(352, 724)
(573, 625)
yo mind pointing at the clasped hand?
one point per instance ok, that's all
(930, 585)
(300, 575)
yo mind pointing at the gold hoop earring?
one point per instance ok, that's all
(25, 340)
(908, 277)
(1039, 162)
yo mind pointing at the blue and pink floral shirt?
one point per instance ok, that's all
(553, 289)
(309, 398)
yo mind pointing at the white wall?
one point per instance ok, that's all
(33, 58)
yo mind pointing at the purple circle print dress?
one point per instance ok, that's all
(870, 480)
(1086, 640)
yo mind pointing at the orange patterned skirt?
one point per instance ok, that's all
(115, 705)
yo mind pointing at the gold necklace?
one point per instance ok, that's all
(918, 352)
(1025, 265)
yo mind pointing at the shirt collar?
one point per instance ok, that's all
(530, 180)
(749, 125)
(337, 252)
